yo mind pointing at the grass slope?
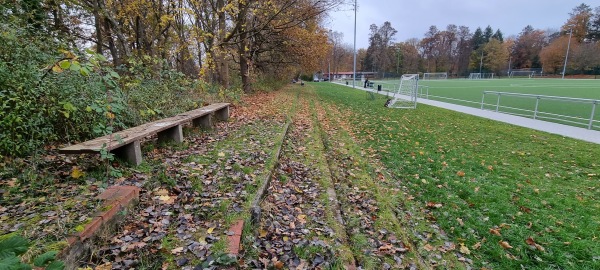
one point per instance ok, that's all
(509, 196)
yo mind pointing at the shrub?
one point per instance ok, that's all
(13, 246)
(24, 103)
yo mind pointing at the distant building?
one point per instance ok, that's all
(348, 75)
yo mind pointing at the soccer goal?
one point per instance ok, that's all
(525, 73)
(406, 95)
(435, 76)
(480, 76)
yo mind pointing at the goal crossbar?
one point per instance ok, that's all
(435, 75)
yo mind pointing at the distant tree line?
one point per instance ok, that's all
(458, 51)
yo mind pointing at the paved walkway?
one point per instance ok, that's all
(554, 128)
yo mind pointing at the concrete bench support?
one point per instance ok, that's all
(222, 114)
(131, 152)
(171, 134)
(203, 122)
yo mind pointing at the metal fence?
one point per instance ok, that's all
(591, 121)
(536, 113)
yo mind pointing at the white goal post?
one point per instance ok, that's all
(525, 73)
(435, 75)
(479, 76)
(405, 97)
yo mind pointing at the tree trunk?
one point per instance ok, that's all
(111, 45)
(243, 44)
(98, 25)
(245, 67)
(221, 59)
(138, 34)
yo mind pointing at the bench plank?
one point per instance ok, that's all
(136, 133)
(127, 136)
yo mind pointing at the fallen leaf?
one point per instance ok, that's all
(428, 247)
(12, 182)
(511, 257)
(263, 233)
(386, 247)
(161, 192)
(495, 231)
(532, 243)
(264, 261)
(210, 230)
(460, 221)
(177, 250)
(302, 219)
(76, 172)
(460, 173)
(525, 209)
(504, 244)
(166, 199)
(106, 266)
(278, 265)
(477, 245)
(434, 205)
(221, 154)
(464, 249)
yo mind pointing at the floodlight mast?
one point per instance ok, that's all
(481, 61)
(354, 67)
(332, 54)
(567, 56)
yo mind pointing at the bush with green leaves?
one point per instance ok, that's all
(13, 246)
(153, 93)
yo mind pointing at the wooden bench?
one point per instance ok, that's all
(125, 144)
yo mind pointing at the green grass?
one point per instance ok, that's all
(528, 183)
(470, 93)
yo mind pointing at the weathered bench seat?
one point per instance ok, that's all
(126, 143)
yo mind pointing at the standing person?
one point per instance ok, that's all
(366, 82)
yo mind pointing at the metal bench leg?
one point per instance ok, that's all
(172, 134)
(203, 122)
(222, 114)
(131, 152)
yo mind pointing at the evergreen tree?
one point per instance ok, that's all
(478, 39)
(488, 33)
(498, 36)
(594, 29)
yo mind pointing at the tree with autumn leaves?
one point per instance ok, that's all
(583, 31)
(215, 40)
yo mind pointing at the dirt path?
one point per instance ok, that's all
(328, 203)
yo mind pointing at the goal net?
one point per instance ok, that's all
(479, 76)
(435, 76)
(525, 73)
(406, 95)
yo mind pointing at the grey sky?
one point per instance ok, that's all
(413, 18)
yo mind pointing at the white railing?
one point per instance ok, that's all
(537, 114)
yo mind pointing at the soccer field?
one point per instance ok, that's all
(470, 93)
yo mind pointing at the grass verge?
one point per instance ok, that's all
(507, 196)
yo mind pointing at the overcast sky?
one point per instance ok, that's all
(413, 18)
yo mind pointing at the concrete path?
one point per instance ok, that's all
(554, 128)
